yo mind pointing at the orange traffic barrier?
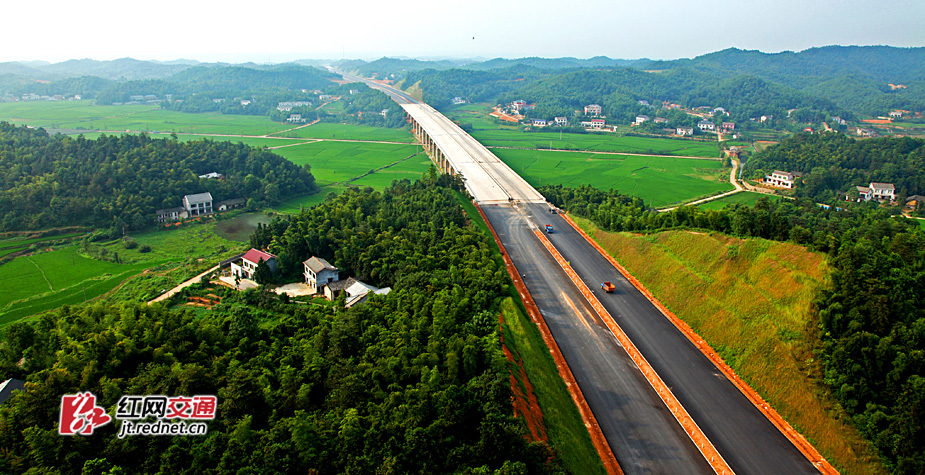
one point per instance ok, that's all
(690, 427)
(803, 445)
(608, 459)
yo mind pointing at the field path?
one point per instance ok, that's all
(294, 128)
(732, 180)
(43, 273)
(171, 292)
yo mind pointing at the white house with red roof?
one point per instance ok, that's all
(247, 266)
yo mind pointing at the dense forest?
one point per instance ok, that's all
(834, 163)
(411, 382)
(872, 322)
(51, 181)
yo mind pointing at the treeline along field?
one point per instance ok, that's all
(115, 182)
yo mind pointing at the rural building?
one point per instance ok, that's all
(287, 106)
(459, 100)
(661, 120)
(641, 118)
(597, 123)
(295, 118)
(896, 114)
(685, 131)
(198, 204)
(729, 126)
(319, 272)
(245, 102)
(876, 191)
(839, 120)
(518, 105)
(171, 214)
(211, 176)
(706, 125)
(230, 204)
(247, 266)
(593, 110)
(561, 121)
(915, 202)
(7, 387)
(354, 91)
(325, 97)
(645, 103)
(539, 122)
(719, 110)
(781, 179)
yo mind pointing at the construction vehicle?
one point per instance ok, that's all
(549, 229)
(608, 287)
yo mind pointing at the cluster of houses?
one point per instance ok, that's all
(875, 191)
(199, 204)
(321, 278)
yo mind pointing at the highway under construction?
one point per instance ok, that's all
(662, 405)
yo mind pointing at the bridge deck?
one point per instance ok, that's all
(487, 177)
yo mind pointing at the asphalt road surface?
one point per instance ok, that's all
(639, 428)
(747, 440)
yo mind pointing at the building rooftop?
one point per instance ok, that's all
(7, 387)
(317, 264)
(199, 198)
(255, 255)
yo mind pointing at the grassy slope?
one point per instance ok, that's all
(751, 301)
(564, 427)
(658, 180)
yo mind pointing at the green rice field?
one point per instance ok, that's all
(660, 181)
(325, 130)
(494, 133)
(341, 162)
(48, 280)
(746, 197)
(84, 115)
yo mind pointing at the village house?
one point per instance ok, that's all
(682, 131)
(781, 179)
(319, 272)
(729, 126)
(597, 123)
(295, 118)
(324, 97)
(354, 91)
(211, 176)
(561, 121)
(287, 106)
(877, 191)
(458, 100)
(641, 118)
(661, 120)
(198, 204)
(896, 114)
(170, 214)
(539, 122)
(323, 278)
(247, 266)
(7, 387)
(517, 105)
(839, 120)
(230, 204)
(245, 102)
(593, 110)
(706, 125)
(645, 103)
(915, 202)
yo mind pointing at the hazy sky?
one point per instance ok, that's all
(280, 30)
